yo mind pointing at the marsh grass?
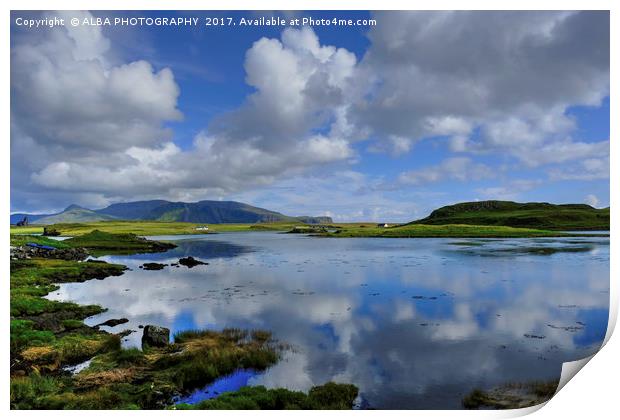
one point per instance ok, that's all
(206, 355)
(330, 396)
(44, 334)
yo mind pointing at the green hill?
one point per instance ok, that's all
(74, 214)
(521, 215)
(207, 211)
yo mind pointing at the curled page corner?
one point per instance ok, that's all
(613, 315)
(570, 369)
(521, 412)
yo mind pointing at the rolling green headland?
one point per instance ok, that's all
(521, 215)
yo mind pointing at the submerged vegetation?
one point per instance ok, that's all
(512, 395)
(531, 250)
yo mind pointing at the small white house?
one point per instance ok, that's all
(383, 225)
(202, 228)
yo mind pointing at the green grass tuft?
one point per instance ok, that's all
(330, 396)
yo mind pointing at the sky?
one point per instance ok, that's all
(380, 122)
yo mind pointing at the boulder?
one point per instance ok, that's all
(155, 336)
(152, 266)
(190, 262)
(113, 322)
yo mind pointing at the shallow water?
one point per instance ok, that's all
(415, 323)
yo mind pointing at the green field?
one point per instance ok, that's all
(522, 215)
(26, 230)
(151, 228)
(441, 231)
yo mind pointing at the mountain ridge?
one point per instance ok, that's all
(204, 211)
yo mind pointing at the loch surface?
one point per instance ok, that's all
(414, 323)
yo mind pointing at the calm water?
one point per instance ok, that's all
(415, 323)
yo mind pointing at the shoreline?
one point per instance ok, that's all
(48, 336)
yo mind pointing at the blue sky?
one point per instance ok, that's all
(382, 122)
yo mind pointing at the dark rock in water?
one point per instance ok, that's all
(90, 260)
(540, 337)
(155, 336)
(191, 262)
(113, 322)
(140, 326)
(153, 266)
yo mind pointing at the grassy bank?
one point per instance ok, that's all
(20, 240)
(47, 334)
(330, 396)
(441, 231)
(150, 378)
